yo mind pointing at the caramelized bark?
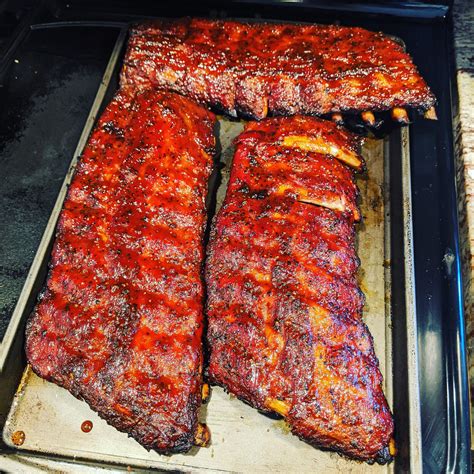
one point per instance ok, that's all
(256, 69)
(285, 311)
(119, 322)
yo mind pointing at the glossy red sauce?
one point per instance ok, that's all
(119, 322)
(87, 426)
(259, 68)
(285, 311)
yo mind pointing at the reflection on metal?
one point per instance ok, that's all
(416, 462)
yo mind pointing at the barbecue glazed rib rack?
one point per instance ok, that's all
(257, 69)
(120, 321)
(284, 308)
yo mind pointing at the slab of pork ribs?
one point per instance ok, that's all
(119, 322)
(257, 69)
(285, 311)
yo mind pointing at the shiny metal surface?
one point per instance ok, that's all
(51, 418)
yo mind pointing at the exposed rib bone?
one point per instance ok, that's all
(203, 435)
(318, 145)
(400, 115)
(430, 114)
(340, 205)
(277, 406)
(392, 447)
(337, 118)
(369, 118)
(205, 392)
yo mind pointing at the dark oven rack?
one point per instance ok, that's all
(426, 31)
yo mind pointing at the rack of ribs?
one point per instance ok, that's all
(285, 326)
(119, 322)
(260, 69)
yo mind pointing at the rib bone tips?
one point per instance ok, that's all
(203, 436)
(205, 392)
(278, 406)
(318, 145)
(392, 448)
(400, 115)
(430, 114)
(369, 118)
(337, 118)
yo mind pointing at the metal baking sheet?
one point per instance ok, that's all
(242, 439)
(51, 418)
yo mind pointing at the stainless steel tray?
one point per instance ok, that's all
(242, 439)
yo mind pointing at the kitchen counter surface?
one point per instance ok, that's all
(464, 136)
